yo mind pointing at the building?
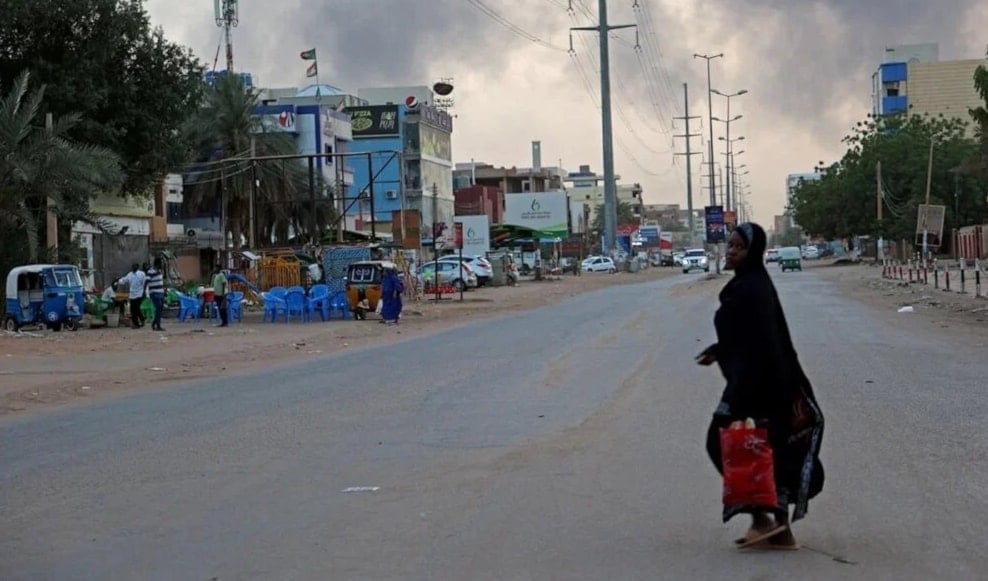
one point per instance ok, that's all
(480, 200)
(914, 80)
(513, 180)
(781, 224)
(588, 186)
(409, 169)
(792, 182)
(315, 117)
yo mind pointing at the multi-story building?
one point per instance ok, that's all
(480, 200)
(914, 80)
(410, 167)
(588, 187)
(792, 182)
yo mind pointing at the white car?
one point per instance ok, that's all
(599, 264)
(695, 259)
(478, 263)
(460, 278)
(810, 253)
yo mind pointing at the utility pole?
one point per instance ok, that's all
(689, 154)
(879, 252)
(710, 117)
(251, 232)
(610, 185)
(227, 18)
(926, 209)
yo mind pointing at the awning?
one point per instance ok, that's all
(511, 235)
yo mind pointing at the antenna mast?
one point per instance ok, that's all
(227, 18)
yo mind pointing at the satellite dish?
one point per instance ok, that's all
(442, 88)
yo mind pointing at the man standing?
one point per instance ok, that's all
(156, 291)
(135, 281)
(219, 294)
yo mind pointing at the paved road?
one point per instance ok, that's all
(560, 444)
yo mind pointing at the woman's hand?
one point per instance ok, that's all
(707, 357)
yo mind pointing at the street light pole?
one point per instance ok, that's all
(710, 116)
(730, 203)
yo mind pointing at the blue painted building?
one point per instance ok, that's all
(890, 82)
(409, 157)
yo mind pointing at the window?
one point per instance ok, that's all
(67, 278)
(363, 273)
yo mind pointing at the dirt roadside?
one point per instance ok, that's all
(935, 310)
(40, 369)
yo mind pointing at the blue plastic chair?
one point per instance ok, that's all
(318, 300)
(339, 302)
(278, 292)
(234, 307)
(273, 306)
(295, 305)
(189, 307)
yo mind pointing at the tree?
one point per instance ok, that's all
(625, 215)
(223, 131)
(980, 117)
(843, 202)
(38, 162)
(130, 87)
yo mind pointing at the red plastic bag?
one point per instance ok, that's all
(749, 470)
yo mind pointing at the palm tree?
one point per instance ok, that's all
(40, 165)
(225, 130)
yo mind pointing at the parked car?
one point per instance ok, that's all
(695, 259)
(479, 264)
(599, 264)
(810, 253)
(677, 258)
(772, 255)
(461, 278)
(789, 259)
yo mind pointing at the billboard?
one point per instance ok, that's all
(374, 120)
(714, 218)
(476, 234)
(650, 236)
(547, 212)
(930, 218)
(435, 144)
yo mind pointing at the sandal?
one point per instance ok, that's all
(754, 537)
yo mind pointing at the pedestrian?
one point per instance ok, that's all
(219, 294)
(136, 281)
(765, 381)
(156, 292)
(391, 289)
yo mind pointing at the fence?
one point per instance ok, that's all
(963, 277)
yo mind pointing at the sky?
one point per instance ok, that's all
(806, 65)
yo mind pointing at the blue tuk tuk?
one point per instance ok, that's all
(49, 294)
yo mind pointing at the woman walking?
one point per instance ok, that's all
(391, 289)
(766, 382)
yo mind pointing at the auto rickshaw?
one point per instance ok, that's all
(363, 285)
(49, 294)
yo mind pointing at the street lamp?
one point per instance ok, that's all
(710, 115)
(729, 144)
(729, 96)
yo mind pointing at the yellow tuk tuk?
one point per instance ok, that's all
(363, 285)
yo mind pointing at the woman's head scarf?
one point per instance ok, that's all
(756, 240)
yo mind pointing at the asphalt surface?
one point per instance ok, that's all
(564, 443)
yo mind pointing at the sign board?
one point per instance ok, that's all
(714, 218)
(650, 236)
(930, 218)
(374, 120)
(476, 234)
(547, 212)
(458, 235)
